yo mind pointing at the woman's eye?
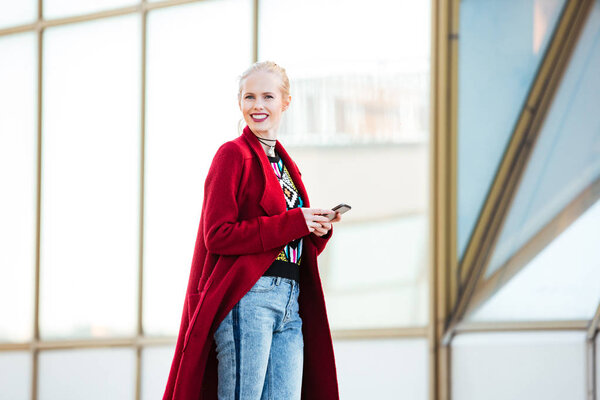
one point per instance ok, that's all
(248, 97)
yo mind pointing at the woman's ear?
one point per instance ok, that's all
(286, 104)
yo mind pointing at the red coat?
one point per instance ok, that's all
(243, 226)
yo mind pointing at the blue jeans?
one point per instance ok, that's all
(260, 347)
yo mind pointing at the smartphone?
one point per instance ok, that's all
(341, 208)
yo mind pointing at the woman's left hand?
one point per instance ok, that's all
(326, 226)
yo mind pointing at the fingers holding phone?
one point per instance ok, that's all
(314, 217)
(319, 220)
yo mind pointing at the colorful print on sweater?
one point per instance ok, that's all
(292, 252)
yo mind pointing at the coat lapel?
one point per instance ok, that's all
(272, 200)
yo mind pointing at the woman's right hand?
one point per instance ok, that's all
(313, 219)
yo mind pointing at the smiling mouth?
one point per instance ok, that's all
(258, 117)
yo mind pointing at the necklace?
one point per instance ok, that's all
(271, 150)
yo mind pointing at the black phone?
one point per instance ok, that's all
(341, 208)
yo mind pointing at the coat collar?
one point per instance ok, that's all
(272, 200)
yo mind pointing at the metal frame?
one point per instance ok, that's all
(36, 310)
(591, 362)
(443, 196)
(594, 325)
(140, 325)
(522, 326)
(380, 333)
(255, 16)
(591, 355)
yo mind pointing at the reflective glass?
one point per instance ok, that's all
(566, 157)
(501, 44)
(156, 364)
(191, 110)
(13, 13)
(358, 129)
(67, 8)
(562, 282)
(518, 365)
(382, 369)
(18, 180)
(90, 374)
(90, 179)
(365, 289)
(367, 85)
(15, 379)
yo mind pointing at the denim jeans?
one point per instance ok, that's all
(260, 348)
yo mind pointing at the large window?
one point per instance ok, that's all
(529, 183)
(90, 179)
(517, 365)
(18, 97)
(110, 114)
(550, 233)
(501, 45)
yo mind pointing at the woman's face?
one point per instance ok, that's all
(261, 102)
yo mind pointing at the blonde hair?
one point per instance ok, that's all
(267, 66)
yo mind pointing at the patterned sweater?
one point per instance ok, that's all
(292, 252)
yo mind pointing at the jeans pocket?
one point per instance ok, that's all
(264, 284)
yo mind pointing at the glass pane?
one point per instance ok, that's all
(518, 365)
(396, 292)
(192, 110)
(156, 364)
(18, 180)
(15, 379)
(362, 108)
(549, 290)
(382, 369)
(91, 374)
(566, 156)
(67, 8)
(90, 179)
(373, 88)
(500, 47)
(14, 13)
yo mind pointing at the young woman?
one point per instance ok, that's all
(254, 324)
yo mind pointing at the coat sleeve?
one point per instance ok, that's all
(226, 235)
(321, 241)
